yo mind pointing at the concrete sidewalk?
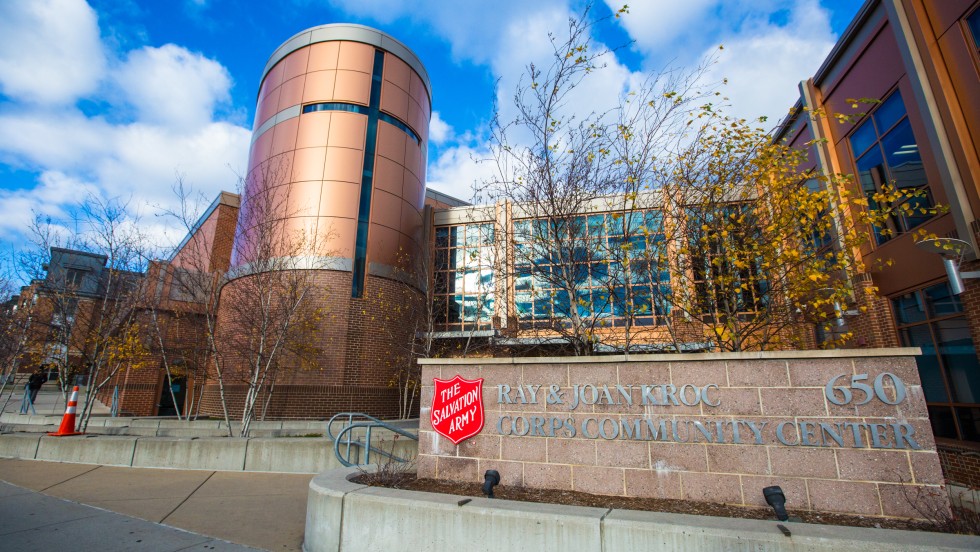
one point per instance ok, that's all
(262, 510)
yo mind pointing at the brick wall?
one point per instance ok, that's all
(875, 326)
(359, 345)
(871, 465)
(961, 465)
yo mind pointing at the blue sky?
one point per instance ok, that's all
(116, 97)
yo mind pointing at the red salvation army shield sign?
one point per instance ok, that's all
(457, 408)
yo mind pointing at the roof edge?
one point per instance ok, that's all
(354, 33)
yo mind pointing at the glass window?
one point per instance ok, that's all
(929, 370)
(942, 301)
(973, 24)
(862, 138)
(969, 421)
(463, 277)
(909, 308)
(889, 112)
(886, 153)
(960, 358)
(942, 421)
(902, 157)
(932, 319)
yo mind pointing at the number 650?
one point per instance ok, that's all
(857, 383)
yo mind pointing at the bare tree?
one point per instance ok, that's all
(195, 273)
(259, 320)
(575, 181)
(112, 340)
(269, 309)
(15, 323)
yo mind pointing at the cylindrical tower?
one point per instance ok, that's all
(335, 185)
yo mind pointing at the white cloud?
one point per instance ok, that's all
(473, 30)
(657, 24)
(169, 95)
(439, 130)
(506, 36)
(172, 86)
(765, 62)
(47, 198)
(40, 137)
(769, 45)
(459, 171)
(50, 50)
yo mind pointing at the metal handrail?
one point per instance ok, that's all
(368, 423)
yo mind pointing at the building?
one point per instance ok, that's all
(335, 191)
(920, 58)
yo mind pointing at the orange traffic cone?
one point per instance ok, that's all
(68, 422)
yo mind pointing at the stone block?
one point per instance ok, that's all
(757, 373)
(914, 501)
(793, 488)
(662, 483)
(738, 459)
(646, 373)
(511, 473)
(548, 476)
(678, 457)
(844, 496)
(698, 373)
(816, 372)
(480, 446)
(624, 454)
(598, 480)
(926, 468)
(711, 487)
(874, 465)
(458, 469)
(803, 462)
(572, 451)
(735, 401)
(793, 402)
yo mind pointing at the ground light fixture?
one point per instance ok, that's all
(777, 500)
(490, 480)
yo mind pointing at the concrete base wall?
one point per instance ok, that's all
(284, 455)
(344, 516)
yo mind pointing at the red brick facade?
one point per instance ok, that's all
(359, 346)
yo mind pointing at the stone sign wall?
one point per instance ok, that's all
(841, 431)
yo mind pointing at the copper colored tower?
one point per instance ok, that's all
(338, 157)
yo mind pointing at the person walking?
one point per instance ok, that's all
(34, 383)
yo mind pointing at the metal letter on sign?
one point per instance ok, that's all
(457, 408)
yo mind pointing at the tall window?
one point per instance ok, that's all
(611, 267)
(932, 319)
(73, 278)
(887, 154)
(464, 283)
(723, 287)
(973, 24)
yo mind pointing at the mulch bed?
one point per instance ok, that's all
(409, 481)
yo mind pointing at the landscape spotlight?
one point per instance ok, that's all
(490, 480)
(777, 500)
